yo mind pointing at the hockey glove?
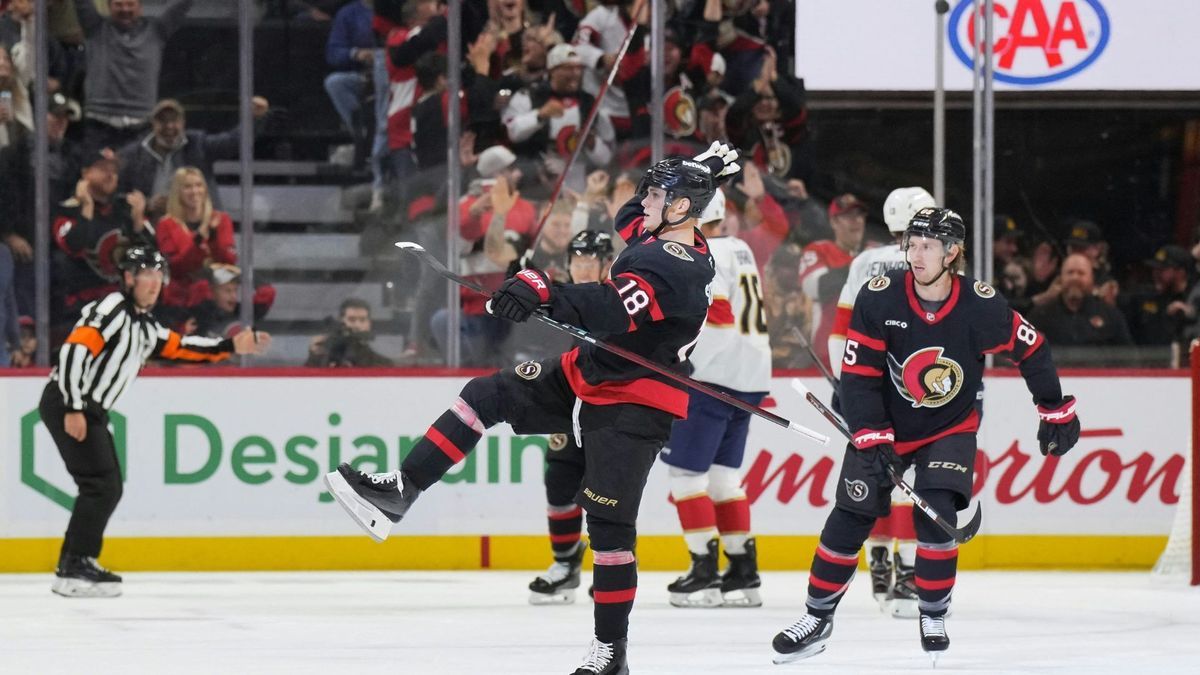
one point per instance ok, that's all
(873, 462)
(520, 295)
(1058, 431)
(720, 159)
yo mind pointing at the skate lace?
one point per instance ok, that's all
(933, 626)
(382, 478)
(802, 628)
(599, 656)
(97, 566)
(557, 572)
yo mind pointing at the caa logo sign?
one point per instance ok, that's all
(1036, 41)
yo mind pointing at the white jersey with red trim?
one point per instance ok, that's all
(871, 263)
(911, 374)
(734, 350)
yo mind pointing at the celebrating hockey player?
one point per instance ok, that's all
(912, 366)
(620, 413)
(891, 580)
(705, 450)
(589, 255)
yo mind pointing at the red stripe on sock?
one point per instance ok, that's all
(733, 516)
(564, 538)
(565, 515)
(613, 597)
(824, 585)
(836, 558)
(445, 445)
(696, 513)
(934, 584)
(936, 554)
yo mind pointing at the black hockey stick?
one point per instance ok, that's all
(580, 334)
(962, 536)
(816, 359)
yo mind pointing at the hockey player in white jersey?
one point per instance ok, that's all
(705, 450)
(892, 580)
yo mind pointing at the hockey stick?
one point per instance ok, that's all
(813, 355)
(962, 536)
(583, 133)
(580, 334)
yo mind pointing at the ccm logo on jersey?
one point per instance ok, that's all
(879, 283)
(926, 378)
(948, 465)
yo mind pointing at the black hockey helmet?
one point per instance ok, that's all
(937, 223)
(137, 258)
(681, 177)
(591, 242)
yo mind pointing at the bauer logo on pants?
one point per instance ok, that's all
(857, 490)
(529, 370)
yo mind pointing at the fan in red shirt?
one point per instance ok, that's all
(825, 264)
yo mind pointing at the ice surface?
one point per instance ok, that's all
(480, 622)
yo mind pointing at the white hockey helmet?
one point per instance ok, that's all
(902, 204)
(715, 211)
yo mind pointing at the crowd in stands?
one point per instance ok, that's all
(126, 169)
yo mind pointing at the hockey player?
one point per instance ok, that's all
(110, 343)
(620, 413)
(589, 255)
(891, 580)
(705, 450)
(912, 365)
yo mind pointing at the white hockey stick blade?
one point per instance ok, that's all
(369, 518)
(809, 433)
(409, 246)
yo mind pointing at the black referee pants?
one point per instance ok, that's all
(94, 466)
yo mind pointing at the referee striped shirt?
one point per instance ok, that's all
(110, 344)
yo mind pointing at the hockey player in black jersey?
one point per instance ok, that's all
(912, 366)
(654, 304)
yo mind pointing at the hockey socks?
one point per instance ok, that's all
(836, 559)
(566, 524)
(733, 522)
(444, 444)
(935, 570)
(614, 575)
(698, 517)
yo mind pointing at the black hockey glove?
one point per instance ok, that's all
(520, 295)
(1058, 431)
(874, 461)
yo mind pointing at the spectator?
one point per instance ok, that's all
(23, 356)
(1087, 238)
(544, 120)
(825, 264)
(1014, 284)
(192, 235)
(768, 121)
(597, 41)
(219, 314)
(90, 229)
(348, 345)
(1006, 244)
(150, 165)
(757, 218)
(1160, 315)
(10, 331)
(423, 31)
(17, 190)
(1077, 317)
(431, 113)
(124, 53)
(16, 34)
(475, 208)
(16, 116)
(350, 52)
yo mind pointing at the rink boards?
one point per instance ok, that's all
(223, 473)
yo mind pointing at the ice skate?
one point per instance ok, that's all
(740, 582)
(805, 638)
(557, 586)
(934, 639)
(604, 658)
(881, 575)
(80, 576)
(701, 586)
(904, 593)
(373, 500)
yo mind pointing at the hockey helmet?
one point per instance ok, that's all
(591, 242)
(715, 211)
(937, 223)
(680, 177)
(902, 204)
(138, 258)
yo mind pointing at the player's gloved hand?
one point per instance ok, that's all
(1058, 431)
(875, 460)
(720, 159)
(520, 295)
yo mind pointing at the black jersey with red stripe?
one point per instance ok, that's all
(654, 304)
(910, 376)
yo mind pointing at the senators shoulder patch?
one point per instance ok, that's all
(879, 283)
(529, 370)
(676, 249)
(984, 291)
(558, 441)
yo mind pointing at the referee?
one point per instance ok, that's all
(103, 354)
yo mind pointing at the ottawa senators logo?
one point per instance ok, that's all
(984, 291)
(558, 441)
(678, 251)
(926, 378)
(567, 140)
(528, 370)
(879, 283)
(679, 110)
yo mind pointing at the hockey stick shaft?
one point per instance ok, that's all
(962, 536)
(580, 334)
(816, 359)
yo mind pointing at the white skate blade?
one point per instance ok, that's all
(885, 603)
(706, 598)
(744, 597)
(81, 588)
(905, 609)
(369, 518)
(933, 657)
(811, 650)
(565, 596)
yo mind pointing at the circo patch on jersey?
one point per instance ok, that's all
(558, 441)
(529, 370)
(879, 283)
(984, 291)
(677, 250)
(856, 490)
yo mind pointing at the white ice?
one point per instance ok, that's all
(479, 622)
